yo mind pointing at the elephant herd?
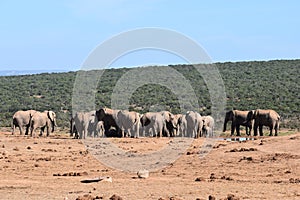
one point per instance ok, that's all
(32, 119)
(123, 123)
(252, 119)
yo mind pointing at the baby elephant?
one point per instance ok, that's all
(208, 126)
(100, 129)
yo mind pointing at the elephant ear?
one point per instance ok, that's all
(51, 115)
(229, 115)
(145, 121)
(179, 121)
(167, 116)
(251, 115)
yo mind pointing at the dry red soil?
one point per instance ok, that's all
(53, 168)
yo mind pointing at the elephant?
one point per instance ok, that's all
(43, 120)
(178, 122)
(182, 128)
(262, 118)
(208, 125)
(170, 124)
(100, 129)
(129, 122)
(152, 122)
(108, 116)
(22, 118)
(194, 124)
(238, 118)
(73, 129)
(85, 123)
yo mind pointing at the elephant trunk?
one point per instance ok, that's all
(53, 123)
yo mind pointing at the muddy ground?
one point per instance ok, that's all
(54, 168)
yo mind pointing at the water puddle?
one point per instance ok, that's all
(239, 139)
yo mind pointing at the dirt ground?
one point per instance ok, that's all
(53, 168)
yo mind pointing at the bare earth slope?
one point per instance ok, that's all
(53, 168)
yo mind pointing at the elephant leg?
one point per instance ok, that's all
(154, 131)
(255, 130)
(276, 129)
(32, 132)
(160, 133)
(250, 129)
(123, 132)
(48, 131)
(199, 132)
(143, 129)
(27, 129)
(182, 131)
(147, 131)
(85, 133)
(13, 129)
(247, 131)
(128, 133)
(238, 130)
(271, 130)
(261, 130)
(137, 131)
(21, 130)
(42, 131)
(80, 134)
(232, 129)
(158, 130)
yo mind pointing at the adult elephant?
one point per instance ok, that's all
(182, 128)
(238, 118)
(85, 123)
(208, 125)
(194, 124)
(178, 123)
(22, 119)
(108, 116)
(73, 129)
(152, 122)
(262, 118)
(170, 123)
(46, 119)
(129, 122)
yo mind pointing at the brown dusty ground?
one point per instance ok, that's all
(53, 168)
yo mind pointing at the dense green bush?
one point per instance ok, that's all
(249, 85)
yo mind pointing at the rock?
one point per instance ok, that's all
(16, 149)
(212, 176)
(115, 197)
(199, 179)
(211, 197)
(231, 197)
(107, 179)
(88, 197)
(143, 173)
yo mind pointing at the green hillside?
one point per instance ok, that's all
(249, 85)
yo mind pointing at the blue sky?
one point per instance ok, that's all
(60, 34)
